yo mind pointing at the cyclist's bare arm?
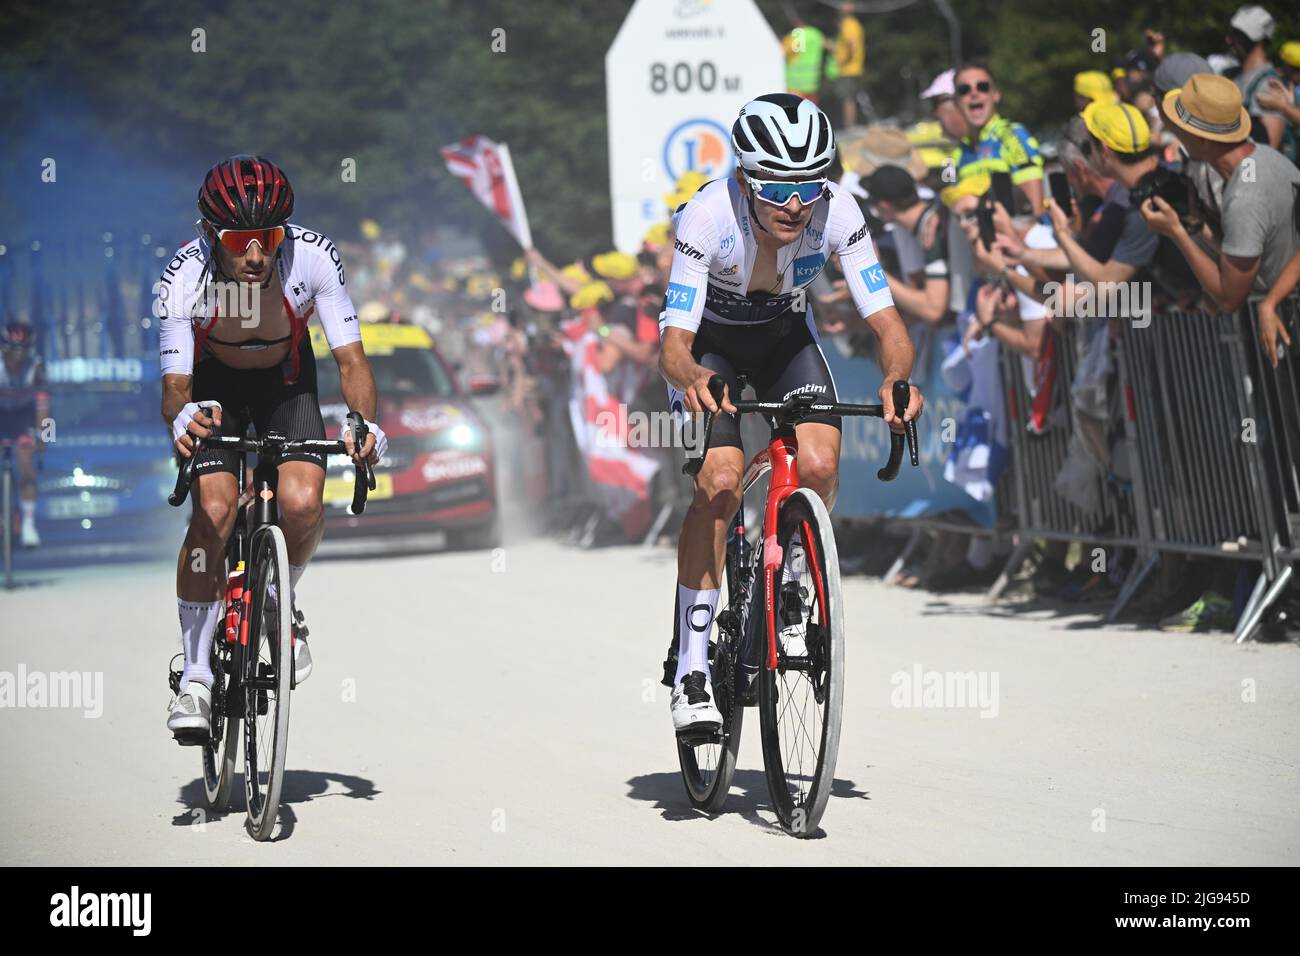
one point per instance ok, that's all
(896, 357)
(358, 384)
(686, 375)
(176, 395)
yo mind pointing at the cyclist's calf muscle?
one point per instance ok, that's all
(200, 567)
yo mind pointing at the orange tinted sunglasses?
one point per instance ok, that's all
(238, 240)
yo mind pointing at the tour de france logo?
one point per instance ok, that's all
(698, 145)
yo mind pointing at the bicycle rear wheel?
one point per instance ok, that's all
(802, 701)
(709, 762)
(268, 667)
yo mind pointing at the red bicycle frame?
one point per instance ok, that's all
(782, 457)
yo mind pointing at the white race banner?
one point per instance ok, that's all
(676, 76)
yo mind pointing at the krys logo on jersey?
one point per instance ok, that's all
(807, 267)
(698, 145)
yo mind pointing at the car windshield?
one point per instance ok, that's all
(403, 371)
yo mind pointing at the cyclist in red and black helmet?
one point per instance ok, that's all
(24, 406)
(235, 304)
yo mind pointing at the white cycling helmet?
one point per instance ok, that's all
(781, 134)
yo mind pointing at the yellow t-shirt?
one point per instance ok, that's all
(851, 47)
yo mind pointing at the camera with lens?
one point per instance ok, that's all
(1170, 185)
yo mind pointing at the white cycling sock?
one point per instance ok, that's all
(198, 626)
(694, 623)
(792, 568)
(295, 574)
(28, 509)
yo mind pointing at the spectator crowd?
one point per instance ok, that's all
(1173, 175)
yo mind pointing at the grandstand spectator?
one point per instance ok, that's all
(850, 53)
(1260, 193)
(992, 143)
(1120, 147)
(893, 194)
(941, 94)
(1249, 31)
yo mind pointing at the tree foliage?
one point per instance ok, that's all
(118, 94)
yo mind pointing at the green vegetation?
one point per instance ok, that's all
(118, 89)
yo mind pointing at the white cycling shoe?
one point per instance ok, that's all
(301, 652)
(191, 713)
(692, 705)
(30, 539)
(794, 633)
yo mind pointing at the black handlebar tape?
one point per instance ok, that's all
(364, 479)
(693, 465)
(902, 396)
(185, 475)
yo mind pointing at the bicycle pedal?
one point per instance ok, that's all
(190, 738)
(698, 735)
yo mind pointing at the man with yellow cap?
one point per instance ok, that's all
(1120, 148)
(1260, 192)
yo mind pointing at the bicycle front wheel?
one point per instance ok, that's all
(801, 702)
(222, 749)
(268, 667)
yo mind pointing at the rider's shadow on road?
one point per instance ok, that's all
(665, 790)
(300, 786)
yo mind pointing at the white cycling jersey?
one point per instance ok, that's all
(715, 251)
(21, 388)
(311, 275)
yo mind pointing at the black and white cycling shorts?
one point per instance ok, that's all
(260, 396)
(779, 359)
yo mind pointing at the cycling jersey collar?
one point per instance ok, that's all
(989, 125)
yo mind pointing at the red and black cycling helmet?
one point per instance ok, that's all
(19, 335)
(245, 192)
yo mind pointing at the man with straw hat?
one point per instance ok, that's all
(1260, 194)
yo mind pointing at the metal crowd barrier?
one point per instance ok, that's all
(1211, 438)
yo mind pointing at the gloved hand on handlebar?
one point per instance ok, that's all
(375, 446)
(196, 419)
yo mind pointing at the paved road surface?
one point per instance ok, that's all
(472, 708)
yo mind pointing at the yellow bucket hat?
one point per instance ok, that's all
(614, 265)
(1095, 85)
(591, 295)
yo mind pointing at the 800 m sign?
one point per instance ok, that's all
(683, 78)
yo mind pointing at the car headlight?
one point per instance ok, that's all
(463, 436)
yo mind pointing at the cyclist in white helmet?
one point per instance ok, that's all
(746, 249)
